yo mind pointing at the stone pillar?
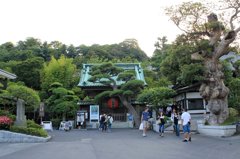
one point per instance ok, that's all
(21, 117)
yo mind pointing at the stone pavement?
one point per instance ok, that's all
(123, 144)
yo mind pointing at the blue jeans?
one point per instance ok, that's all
(186, 128)
(176, 129)
(161, 128)
(109, 127)
(101, 125)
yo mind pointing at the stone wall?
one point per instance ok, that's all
(214, 130)
(11, 137)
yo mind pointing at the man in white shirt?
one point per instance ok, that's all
(186, 121)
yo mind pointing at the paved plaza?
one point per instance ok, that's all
(122, 144)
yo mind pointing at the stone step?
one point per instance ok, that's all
(193, 126)
(115, 124)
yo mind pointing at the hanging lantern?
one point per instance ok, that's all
(113, 103)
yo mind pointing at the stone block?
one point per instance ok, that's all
(218, 131)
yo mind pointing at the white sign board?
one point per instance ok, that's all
(94, 113)
(47, 125)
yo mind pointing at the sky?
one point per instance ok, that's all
(87, 21)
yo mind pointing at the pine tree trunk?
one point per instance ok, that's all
(131, 109)
(213, 88)
(215, 92)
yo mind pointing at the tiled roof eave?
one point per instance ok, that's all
(7, 74)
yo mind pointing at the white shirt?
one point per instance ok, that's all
(110, 119)
(186, 117)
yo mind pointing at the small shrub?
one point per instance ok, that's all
(8, 114)
(5, 122)
(56, 122)
(37, 132)
(32, 124)
(230, 120)
(233, 112)
(19, 129)
(29, 131)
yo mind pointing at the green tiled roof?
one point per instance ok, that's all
(81, 102)
(7, 74)
(126, 66)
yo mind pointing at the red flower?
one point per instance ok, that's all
(4, 120)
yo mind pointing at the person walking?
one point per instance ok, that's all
(175, 121)
(162, 122)
(172, 119)
(144, 119)
(150, 119)
(109, 122)
(186, 122)
(103, 123)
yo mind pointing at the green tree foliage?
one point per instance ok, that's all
(32, 47)
(158, 96)
(236, 65)
(160, 53)
(153, 79)
(61, 71)
(191, 73)
(106, 74)
(62, 102)
(30, 97)
(6, 101)
(78, 92)
(57, 49)
(127, 48)
(177, 65)
(234, 96)
(28, 71)
(6, 51)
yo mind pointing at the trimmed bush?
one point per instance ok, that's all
(29, 131)
(56, 122)
(19, 129)
(32, 124)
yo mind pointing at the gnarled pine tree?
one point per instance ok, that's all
(106, 74)
(197, 22)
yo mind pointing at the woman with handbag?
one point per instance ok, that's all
(162, 122)
(176, 121)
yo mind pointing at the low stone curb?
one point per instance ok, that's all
(12, 137)
(216, 130)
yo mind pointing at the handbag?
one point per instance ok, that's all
(179, 122)
(141, 126)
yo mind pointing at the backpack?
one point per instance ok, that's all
(102, 118)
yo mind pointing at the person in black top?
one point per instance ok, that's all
(103, 122)
(161, 117)
(175, 121)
